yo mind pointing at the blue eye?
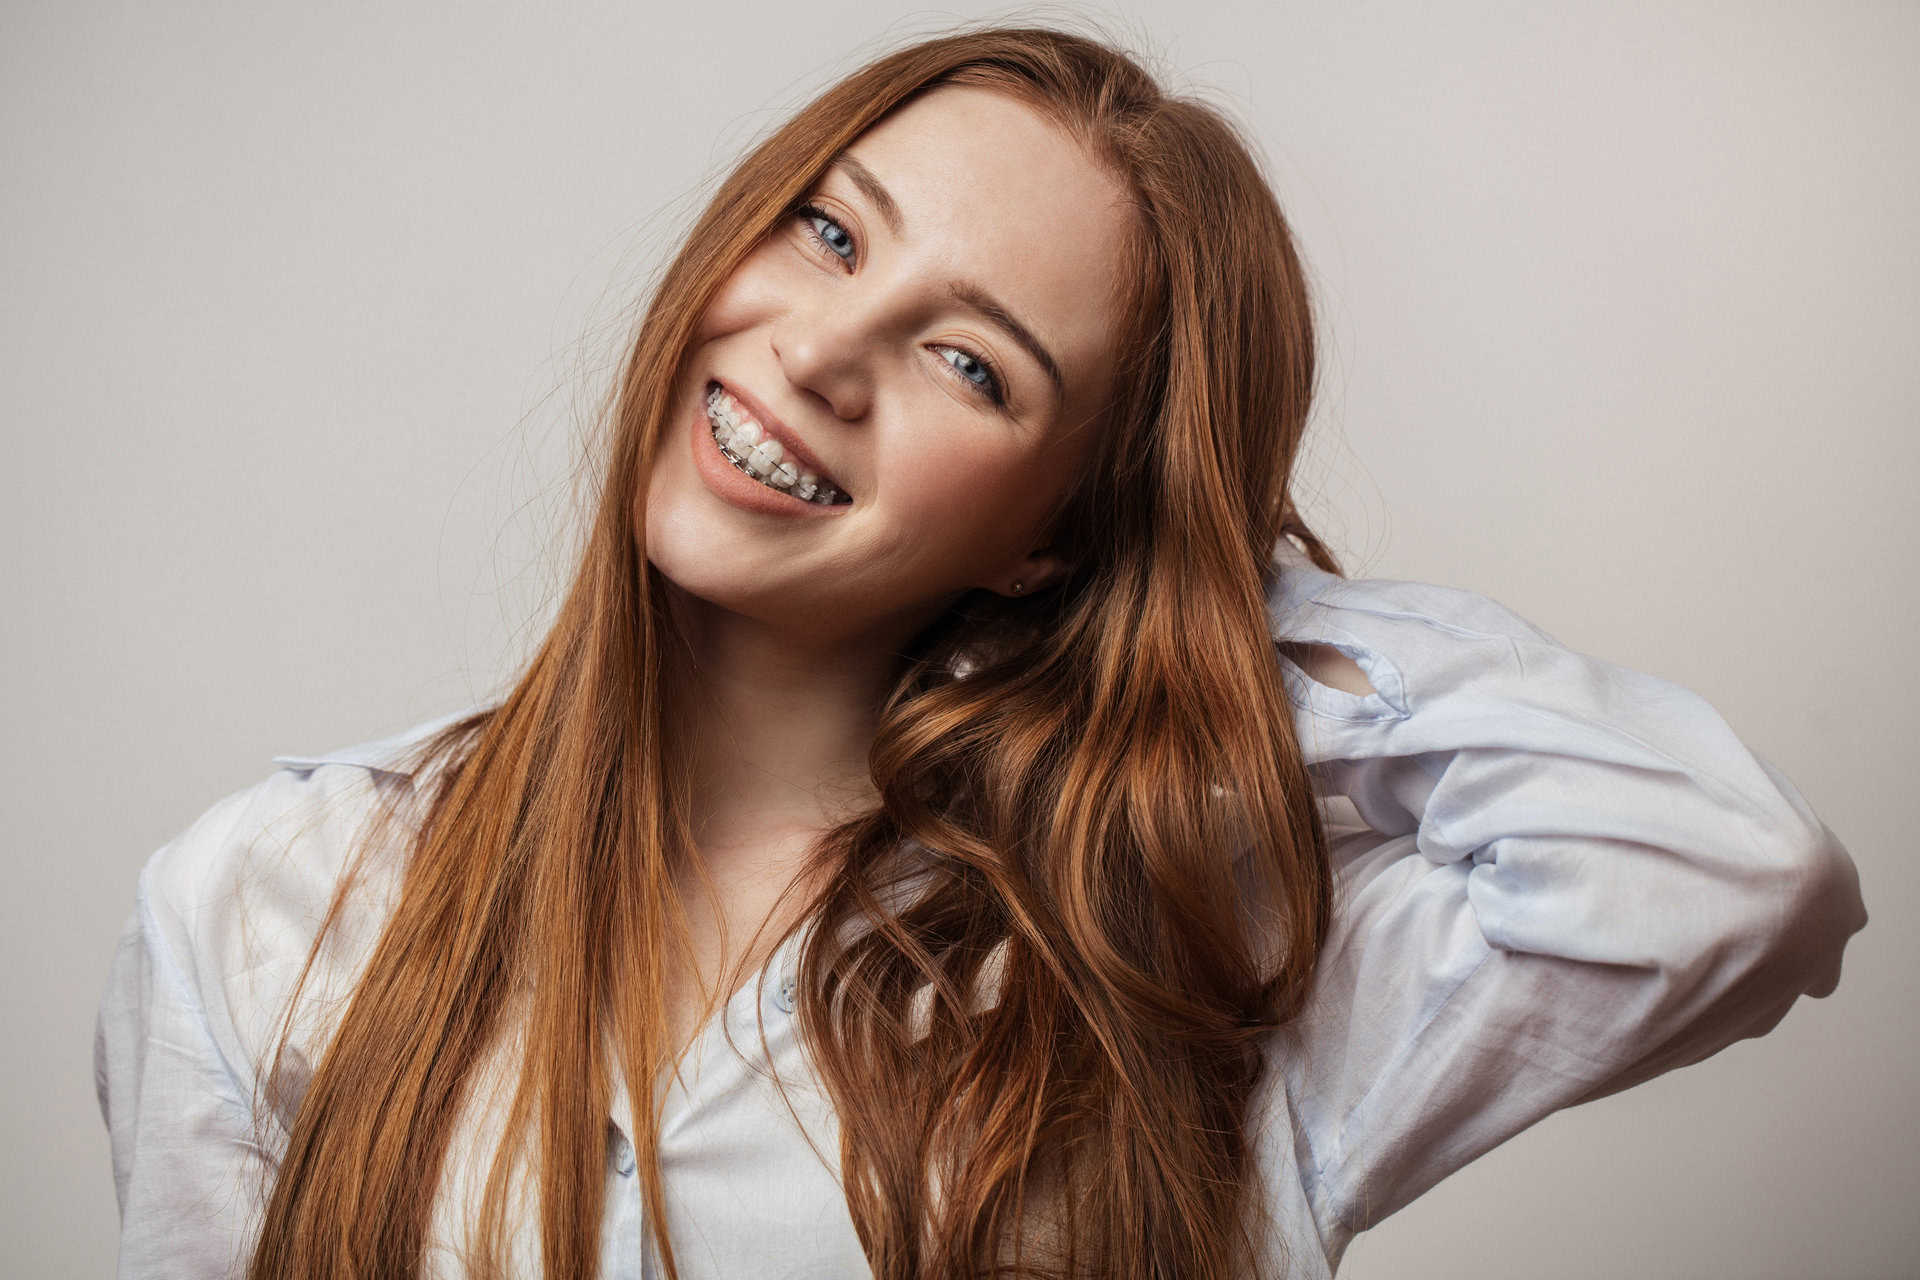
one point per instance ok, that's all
(969, 365)
(835, 238)
(974, 370)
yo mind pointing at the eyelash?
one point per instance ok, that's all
(993, 388)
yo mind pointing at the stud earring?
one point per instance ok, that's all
(1017, 588)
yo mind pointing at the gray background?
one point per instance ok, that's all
(305, 313)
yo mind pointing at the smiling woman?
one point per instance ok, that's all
(962, 821)
(889, 334)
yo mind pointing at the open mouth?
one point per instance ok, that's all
(746, 443)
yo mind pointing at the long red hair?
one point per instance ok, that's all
(1102, 782)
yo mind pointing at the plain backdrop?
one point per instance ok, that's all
(305, 312)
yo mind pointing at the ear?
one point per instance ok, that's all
(1035, 572)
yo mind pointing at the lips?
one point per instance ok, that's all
(796, 450)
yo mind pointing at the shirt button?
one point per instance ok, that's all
(622, 1155)
(783, 998)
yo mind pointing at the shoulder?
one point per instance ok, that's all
(1302, 596)
(282, 839)
(1359, 653)
(231, 905)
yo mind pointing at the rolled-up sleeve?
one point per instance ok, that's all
(1566, 877)
(186, 1165)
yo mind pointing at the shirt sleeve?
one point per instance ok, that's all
(186, 1166)
(216, 970)
(1565, 878)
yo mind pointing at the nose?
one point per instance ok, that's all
(829, 350)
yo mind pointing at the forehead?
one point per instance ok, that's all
(992, 192)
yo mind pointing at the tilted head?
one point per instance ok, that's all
(931, 334)
(1009, 312)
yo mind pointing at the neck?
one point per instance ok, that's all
(778, 729)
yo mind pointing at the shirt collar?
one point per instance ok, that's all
(382, 755)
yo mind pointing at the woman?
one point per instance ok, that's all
(951, 822)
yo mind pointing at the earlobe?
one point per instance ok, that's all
(1034, 574)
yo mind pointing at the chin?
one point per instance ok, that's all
(679, 556)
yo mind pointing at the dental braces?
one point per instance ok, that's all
(825, 496)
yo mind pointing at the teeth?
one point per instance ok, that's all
(746, 444)
(766, 455)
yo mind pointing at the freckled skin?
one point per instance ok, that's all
(950, 491)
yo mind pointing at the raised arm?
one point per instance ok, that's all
(1571, 877)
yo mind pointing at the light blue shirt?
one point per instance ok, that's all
(1556, 878)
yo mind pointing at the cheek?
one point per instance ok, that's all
(666, 510)
(985, 507)
(755, 287)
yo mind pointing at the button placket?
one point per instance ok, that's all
(783, 997)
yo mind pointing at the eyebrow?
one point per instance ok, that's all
(962, 291)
